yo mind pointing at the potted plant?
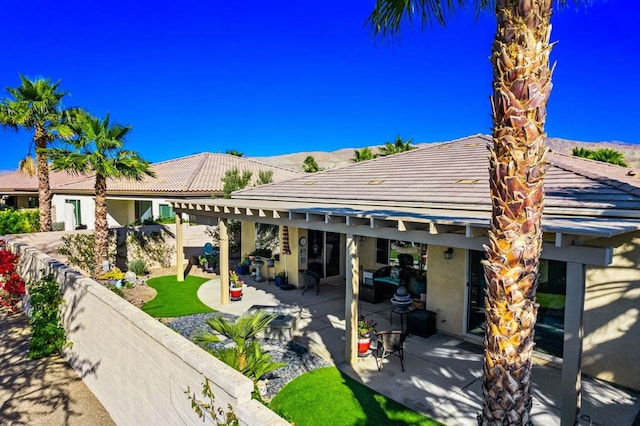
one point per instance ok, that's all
(208, 261)
(365, 327)
(235, 286)
(281, 278)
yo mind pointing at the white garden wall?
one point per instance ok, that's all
(138, 368)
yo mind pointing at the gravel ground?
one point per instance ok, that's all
(297, 357)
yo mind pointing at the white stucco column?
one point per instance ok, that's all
(572, 353)
(179, 249)
(351, 301)
(224, 261)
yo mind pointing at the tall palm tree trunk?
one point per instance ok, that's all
(44, 190)
(101, 226)
(522, 84)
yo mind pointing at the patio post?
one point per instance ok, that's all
(351, 301)
(179, 249)
(572, 353)
(224, 261)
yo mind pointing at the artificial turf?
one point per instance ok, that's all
(326, 396)
(175, 299)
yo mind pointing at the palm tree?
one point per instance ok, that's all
(36, 107)
(98, 150)
(397, 146)
(363, 154)
(521, 88)
(605, 155)
(246, 355)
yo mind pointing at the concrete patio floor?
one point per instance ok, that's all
(443, 374)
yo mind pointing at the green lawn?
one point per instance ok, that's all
(326, 396)
(175, 299)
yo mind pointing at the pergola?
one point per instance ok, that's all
(566, 239)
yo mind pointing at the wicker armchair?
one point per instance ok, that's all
(390, 342)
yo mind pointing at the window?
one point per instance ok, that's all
(143, 211)
(166, 211)
(382, 251)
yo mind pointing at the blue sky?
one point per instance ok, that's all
(267, 78)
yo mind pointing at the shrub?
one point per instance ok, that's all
(115, 289)
(57, 226)
(12, 287)
(216, 414)
(114, 274)
(137, 266)
(79, 250)
(137, 244)
(19, 222)
(47, 334)
(150, 246)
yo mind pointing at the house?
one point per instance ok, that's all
(198, 175)
(436, 197)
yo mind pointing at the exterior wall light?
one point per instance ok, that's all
(448, 253)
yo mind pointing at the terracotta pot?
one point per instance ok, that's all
(363, 344)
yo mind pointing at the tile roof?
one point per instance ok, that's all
(199, 174)
(454, 175)
(18, 182)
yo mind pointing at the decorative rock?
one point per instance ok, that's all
(130, 277)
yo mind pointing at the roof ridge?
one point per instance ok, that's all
(267, 164)
(172, 160)
(204, 156)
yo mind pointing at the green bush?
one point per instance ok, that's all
(19, 222)
(137, 244)
(47, 334)
(115, 289)
(114, 274)
(137, 266)
(150, 246)
(79, 250)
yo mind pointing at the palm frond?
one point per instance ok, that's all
(27, 166)
(388, 15)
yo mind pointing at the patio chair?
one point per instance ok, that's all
(311, 279)
(390, 342)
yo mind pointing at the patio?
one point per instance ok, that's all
(443, 375)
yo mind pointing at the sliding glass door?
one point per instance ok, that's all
(552, 290)
(324, 253)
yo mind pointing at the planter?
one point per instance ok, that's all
(280, 280)
(363, 344)
(236, 293)
(270, 263)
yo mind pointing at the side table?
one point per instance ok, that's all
(402, 313)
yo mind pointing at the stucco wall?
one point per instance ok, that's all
(120, 212)
(446, 284)
(612, 315)
(137, 367)
(247, 237)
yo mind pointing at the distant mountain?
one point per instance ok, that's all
(342, 157)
